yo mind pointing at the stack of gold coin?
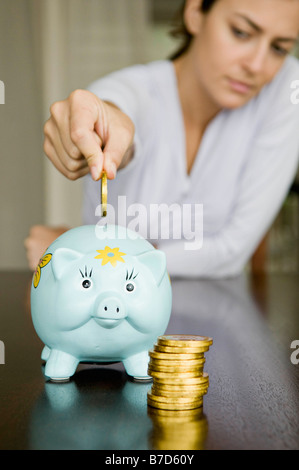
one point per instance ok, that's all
(176, 365)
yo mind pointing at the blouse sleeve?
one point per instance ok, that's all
(263, 186)
(129, 90)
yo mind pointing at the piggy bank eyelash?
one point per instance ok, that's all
(86, 273)
(128, 278)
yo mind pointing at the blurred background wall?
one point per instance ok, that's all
(47, 49)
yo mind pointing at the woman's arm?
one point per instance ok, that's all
(39, 239)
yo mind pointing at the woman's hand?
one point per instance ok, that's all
(39, 239)
(86, 134)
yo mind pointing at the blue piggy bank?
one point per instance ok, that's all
(100, 294)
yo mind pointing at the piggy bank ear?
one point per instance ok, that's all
(61, 260)
(156, 261)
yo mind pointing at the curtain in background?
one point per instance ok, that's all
(21, 171)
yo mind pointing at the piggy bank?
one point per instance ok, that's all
(100, 294)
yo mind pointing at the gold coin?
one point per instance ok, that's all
(178, 369)
(176, 394)
(167, 406)
(180, 388)
(173, 404)
(178, 380)
(160, 374)
(179, 350)
(185, 366)
(176, 356)
(176, 415)
(184, 341)
(182, 364)
(174, 400)
(179, 361)
(104, 194)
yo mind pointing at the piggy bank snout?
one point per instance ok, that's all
(111, 307)
(109, 311)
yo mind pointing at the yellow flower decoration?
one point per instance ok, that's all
(110, 255)
(42, 263)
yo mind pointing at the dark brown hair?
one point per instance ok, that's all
(180, 31)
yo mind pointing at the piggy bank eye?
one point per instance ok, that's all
(86, 283)
(130, 287)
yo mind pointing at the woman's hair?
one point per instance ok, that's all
(180, 31)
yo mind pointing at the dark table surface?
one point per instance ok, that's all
(253, 397)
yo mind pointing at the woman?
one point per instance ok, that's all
(214, 126)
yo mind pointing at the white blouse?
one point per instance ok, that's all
(243, 170)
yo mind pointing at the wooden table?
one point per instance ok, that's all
(253, 398)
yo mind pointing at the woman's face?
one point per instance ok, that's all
(240, 45)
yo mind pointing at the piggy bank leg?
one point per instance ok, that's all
(60, 366)
(136, 366)
(45, 353)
